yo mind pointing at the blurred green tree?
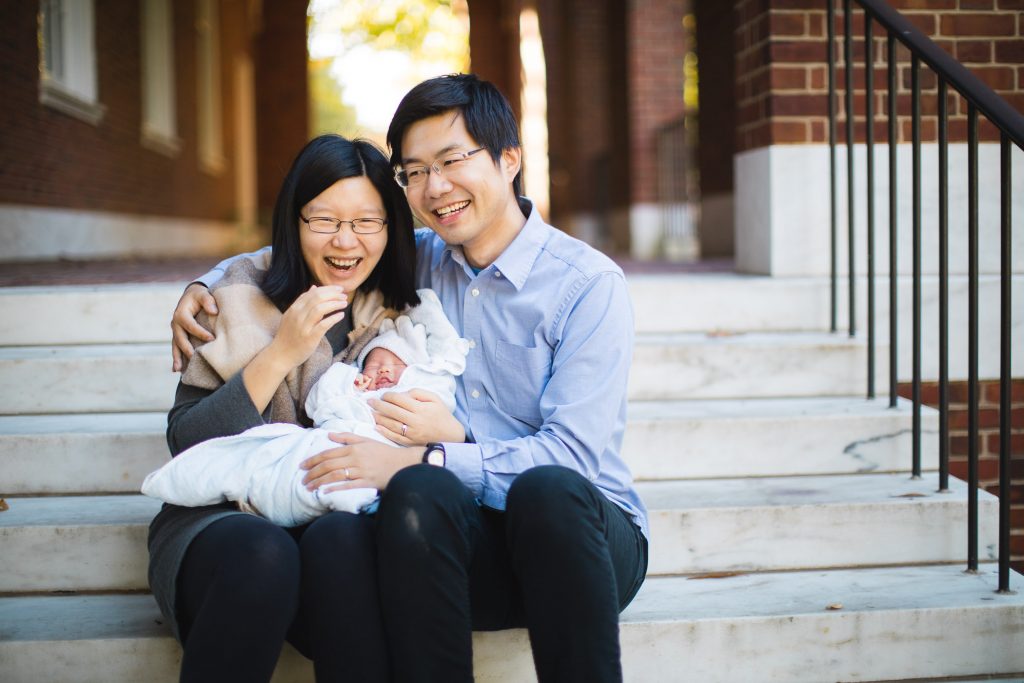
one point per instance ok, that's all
(328, 113)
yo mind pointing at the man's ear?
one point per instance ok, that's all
(511, 162)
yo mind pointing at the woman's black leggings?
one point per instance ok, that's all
(246, 585)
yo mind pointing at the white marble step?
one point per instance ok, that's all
(98, 542)
(80, 453)
(123, 313)
(86, 379)
(756, 365)
(137, 377)
(800, 627)
(75, 543)
(113, 452)
(785, 523)
(774, 437)
(730, 302)
(87, 314)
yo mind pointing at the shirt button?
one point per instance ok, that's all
(475, 292)
(497, 273)
(475, 394)
(472, 343)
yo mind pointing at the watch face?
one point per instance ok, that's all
(436, 457)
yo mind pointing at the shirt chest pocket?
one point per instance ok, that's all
(522, 374)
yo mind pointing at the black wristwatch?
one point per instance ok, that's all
(435, 455)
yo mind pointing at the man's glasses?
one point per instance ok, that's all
(411, 176)
(360, 226)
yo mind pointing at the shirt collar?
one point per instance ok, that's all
(516, 262)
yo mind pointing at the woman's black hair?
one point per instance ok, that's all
(488, 115)
(325, 160)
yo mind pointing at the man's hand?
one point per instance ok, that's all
(359, 463)
(195, 298)
(415, 418)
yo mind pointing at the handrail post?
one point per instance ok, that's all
(1005, 334)
(869, 115)
(831, 19)
(915, 76)
(851, 252)
(893, 219)
(972, 338)
(943, 288)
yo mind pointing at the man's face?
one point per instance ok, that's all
(465, 205)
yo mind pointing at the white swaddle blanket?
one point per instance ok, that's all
(259, 468)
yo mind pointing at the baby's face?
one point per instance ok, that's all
(383, 368)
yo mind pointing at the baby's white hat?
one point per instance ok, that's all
(402, 338)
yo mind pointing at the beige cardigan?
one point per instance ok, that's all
(246, 323)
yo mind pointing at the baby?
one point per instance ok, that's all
(381, 369)
(259, 468)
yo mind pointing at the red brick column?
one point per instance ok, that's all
(282, 96)
(656, 49)
(494, 46)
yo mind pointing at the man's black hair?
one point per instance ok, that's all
(322, 162)
(488, 115)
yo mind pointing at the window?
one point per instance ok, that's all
(67, 54)
(211, 145)
(159, 118)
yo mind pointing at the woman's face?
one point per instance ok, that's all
(344, 258)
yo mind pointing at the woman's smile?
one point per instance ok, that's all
(345, 258)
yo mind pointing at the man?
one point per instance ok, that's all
(533, 520)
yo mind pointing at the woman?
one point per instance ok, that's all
(234, 586)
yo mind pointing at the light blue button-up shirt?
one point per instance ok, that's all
(550, 327)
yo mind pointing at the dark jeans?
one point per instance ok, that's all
(562, 560)
(246, 585)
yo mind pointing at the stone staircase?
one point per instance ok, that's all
(789, 542)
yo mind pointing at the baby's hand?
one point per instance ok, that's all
(362, 382)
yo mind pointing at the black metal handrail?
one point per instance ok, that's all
(981, 100)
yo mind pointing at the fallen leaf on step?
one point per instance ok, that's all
(4, 506)
(716, 575)
(722, 333)
(911, 495)
(835, 606)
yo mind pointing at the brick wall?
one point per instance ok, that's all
(48, 158)
(988, 445)
(782, 85)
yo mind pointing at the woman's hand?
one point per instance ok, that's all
(358, 463)
(195, 298)
(415, 418)
(306, 322)
(302, 327)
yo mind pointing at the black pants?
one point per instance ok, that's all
(246, 585)
(562, 561)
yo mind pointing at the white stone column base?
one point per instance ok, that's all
(29, 233)
(782, 209)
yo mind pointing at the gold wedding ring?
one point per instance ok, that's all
(405, 428)
(346, 474)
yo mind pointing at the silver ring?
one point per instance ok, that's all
(346, 474)
(405, 428)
